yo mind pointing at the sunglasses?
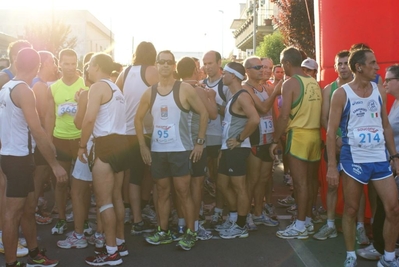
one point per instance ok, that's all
(387, 80)
(163, 61)
(257, 67)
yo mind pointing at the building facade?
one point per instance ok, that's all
(91, 34)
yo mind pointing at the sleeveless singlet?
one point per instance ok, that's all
(133, 88)
(233, 124)
(361, 126)
(195, 124)
(111, 117)
(14, 140)
(264, 133)
(65, 108)
(306, 110)
(172, 129)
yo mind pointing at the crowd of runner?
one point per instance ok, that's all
(142, 142)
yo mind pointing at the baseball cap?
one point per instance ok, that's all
(310, 64)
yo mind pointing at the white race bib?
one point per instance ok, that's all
(165, 134)
(368, 137)
(266, 125)
(69, 108)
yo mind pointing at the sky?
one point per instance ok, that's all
(177, 25)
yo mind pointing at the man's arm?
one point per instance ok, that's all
(337, 104)
(246, 104)
(388, 133)
(24, 98)
(325, 106)
(82, 106)
(40, 90)
(208, 99)
(144, 106)
(50, 114)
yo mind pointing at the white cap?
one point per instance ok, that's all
(310, 64)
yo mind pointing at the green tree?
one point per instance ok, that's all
(271, 47)
(52, 37)
(296, 23)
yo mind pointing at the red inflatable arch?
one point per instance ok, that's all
(339, 24)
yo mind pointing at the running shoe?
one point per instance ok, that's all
(149, 214)
(286, 202)
(73, 241)
(104, 259)
(141, 227)
(69, 217)
(234, 231)
(316, 218)
(87, 230)
(21, 250)
(42, 220)
(179, 233)
(203, 234)
(350, 262)
(384, 263)
(188, 240)
(59, 228)
(224, 226)
(361, 236)
(22, 241)
(310, 228)
(325, 232)
(292, 232)
(270, 211)
(369, 253)
(293, 209)
(210, 187)
(160, 238)
(265, 220)
(216, 219)
(122, 249)
(250, 225)
(98, 241)
(127, 219)
(41, 260)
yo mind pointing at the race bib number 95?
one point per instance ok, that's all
(165, 133)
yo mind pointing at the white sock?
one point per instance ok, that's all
(389, 256)
(181, 222)
(79, 236)
(111, 250)
(359, 225)
(217, 210)
(331, 223)
(300, 225)
(351, 254)
(1, 234)
(201, 211)
(196, 225)
(308, 220)
(233, 216)
(119, 241)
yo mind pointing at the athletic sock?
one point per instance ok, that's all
(233, 216)
(79, 236)
(300, 225)
(1, 234)
(181, 222)
(351, 254)
(359, 225)
(111, 250)
(308, 220)
(119, 241)
(389, 256)
(241, 220)
(331, 223)
(196, 224)
(33, 252)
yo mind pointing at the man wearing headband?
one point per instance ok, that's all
(300, 116)
(260, 164)
(241, 119)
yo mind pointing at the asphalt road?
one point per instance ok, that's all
(261, 248)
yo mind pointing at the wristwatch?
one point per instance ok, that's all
(394, 156)
(238, 139)
(200, 141)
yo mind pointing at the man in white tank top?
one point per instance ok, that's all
(18, 141)
(105, 120)
(172, 149)
(359, 109)
(260, 163)
(133, 81)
